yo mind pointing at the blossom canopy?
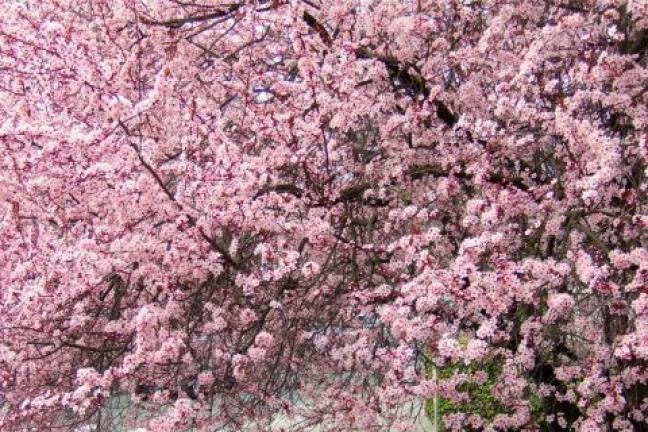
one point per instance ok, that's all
(218, 212)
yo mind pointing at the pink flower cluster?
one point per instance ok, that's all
(213, 212)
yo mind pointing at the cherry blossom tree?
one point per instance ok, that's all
(220, 211)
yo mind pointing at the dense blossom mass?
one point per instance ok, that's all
(215, 212)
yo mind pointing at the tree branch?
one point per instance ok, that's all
(179, 22)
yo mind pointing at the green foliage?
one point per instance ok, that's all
(482, 401)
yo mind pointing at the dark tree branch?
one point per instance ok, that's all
(179, 22)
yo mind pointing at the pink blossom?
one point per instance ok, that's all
(205, 207)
